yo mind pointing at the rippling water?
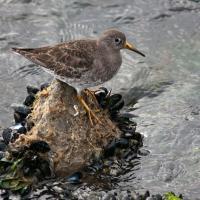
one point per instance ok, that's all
(165, 84)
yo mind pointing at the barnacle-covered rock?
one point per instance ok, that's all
(72, 140)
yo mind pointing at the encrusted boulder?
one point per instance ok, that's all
(58, 119)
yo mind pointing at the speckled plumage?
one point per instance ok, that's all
(81, 63)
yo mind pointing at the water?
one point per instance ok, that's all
(165, 84)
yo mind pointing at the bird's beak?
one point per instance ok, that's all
(132, 48)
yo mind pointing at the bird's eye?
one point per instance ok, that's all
(118, 41)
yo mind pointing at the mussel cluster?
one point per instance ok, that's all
(21, 111)
(18, 166)
(29, 161)
(129, 138)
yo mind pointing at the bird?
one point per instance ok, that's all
(83, 63)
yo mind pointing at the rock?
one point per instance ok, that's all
(73, 141)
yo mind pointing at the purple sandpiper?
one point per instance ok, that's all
(82, 63)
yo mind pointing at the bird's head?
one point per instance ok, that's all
(116, 40)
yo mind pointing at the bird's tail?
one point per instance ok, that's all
(22, 51)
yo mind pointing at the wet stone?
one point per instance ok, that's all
(32, 90)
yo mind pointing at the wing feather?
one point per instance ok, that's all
(67, 59)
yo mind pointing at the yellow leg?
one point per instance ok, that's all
(88, 110)
(92, 93)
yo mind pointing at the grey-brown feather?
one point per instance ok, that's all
(80, 63)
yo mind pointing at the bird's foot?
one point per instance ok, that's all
(91, 93)
(90, 112)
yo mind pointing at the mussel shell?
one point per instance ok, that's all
(26, 190)
(45, 168)
(75, 178)
(130, 128)
(2, 154)
(29, 125)
(2, 145)
(105, 90)
(122, 143)
(18, 153)
(19, 118)
(143, 152)
(21, 109)
(101, 96)
(156, 197)
(139, 137)
(29, 100)
(110, 148)
(39, 146)
(22, 130)
(44, 86)
(115, 103)
(7, 135)
(32, 90)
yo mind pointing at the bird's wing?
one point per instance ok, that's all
(66, 59)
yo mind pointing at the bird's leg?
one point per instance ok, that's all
(88, 110)
(92, 94)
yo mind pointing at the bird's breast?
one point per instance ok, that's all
(106, 66)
